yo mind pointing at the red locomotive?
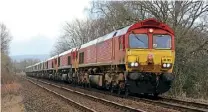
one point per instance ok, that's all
(138, 58)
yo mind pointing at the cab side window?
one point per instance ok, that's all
(81, 58)
(69, 60)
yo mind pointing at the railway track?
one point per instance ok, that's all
(162, 101)
(175, 104)
(187, 103)
(79, 105)
(73, 103)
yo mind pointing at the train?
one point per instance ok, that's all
(134, 59)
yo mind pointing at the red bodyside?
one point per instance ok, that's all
(49, 64)
(90, 55)
(110, 50)
(104, 51)
(64, 60)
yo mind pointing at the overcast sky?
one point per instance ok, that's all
(36, 24)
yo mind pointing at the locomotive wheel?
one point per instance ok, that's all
(119, 91)
(107, 86)
(69, 81)
(86, 85)
(74, 83)
(82, 84)
(126, 91)
(112, 89)
(121, 87)
(89, 86)
(155, 95)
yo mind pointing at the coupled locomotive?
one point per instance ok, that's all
(135, 59)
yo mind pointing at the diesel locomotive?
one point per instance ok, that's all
(135, 59)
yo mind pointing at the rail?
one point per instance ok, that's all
(101, 100)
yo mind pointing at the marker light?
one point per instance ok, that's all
(151, 30)
(164, 65)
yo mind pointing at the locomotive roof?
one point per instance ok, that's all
(98, 40)
(52, 57)
(29, 66)
(107, 36)
(66, 52)
(89, 43)
(122, 31)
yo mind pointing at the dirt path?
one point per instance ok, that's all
(11, 100)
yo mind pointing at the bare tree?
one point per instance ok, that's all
(5, 38)
(74, 35)
(19, 66)
(79, 32)
(5, 41)
(117, 13)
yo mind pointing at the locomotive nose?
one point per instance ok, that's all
(150, 60)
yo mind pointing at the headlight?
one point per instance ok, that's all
(136, 64)
(164, 65)
(168, 65)
(132, 64)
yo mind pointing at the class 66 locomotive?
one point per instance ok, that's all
(150, 57)
(135, 59)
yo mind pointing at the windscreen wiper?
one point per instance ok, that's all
(139, 39)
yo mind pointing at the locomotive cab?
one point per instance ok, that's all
(150, 52)
(149, 59)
